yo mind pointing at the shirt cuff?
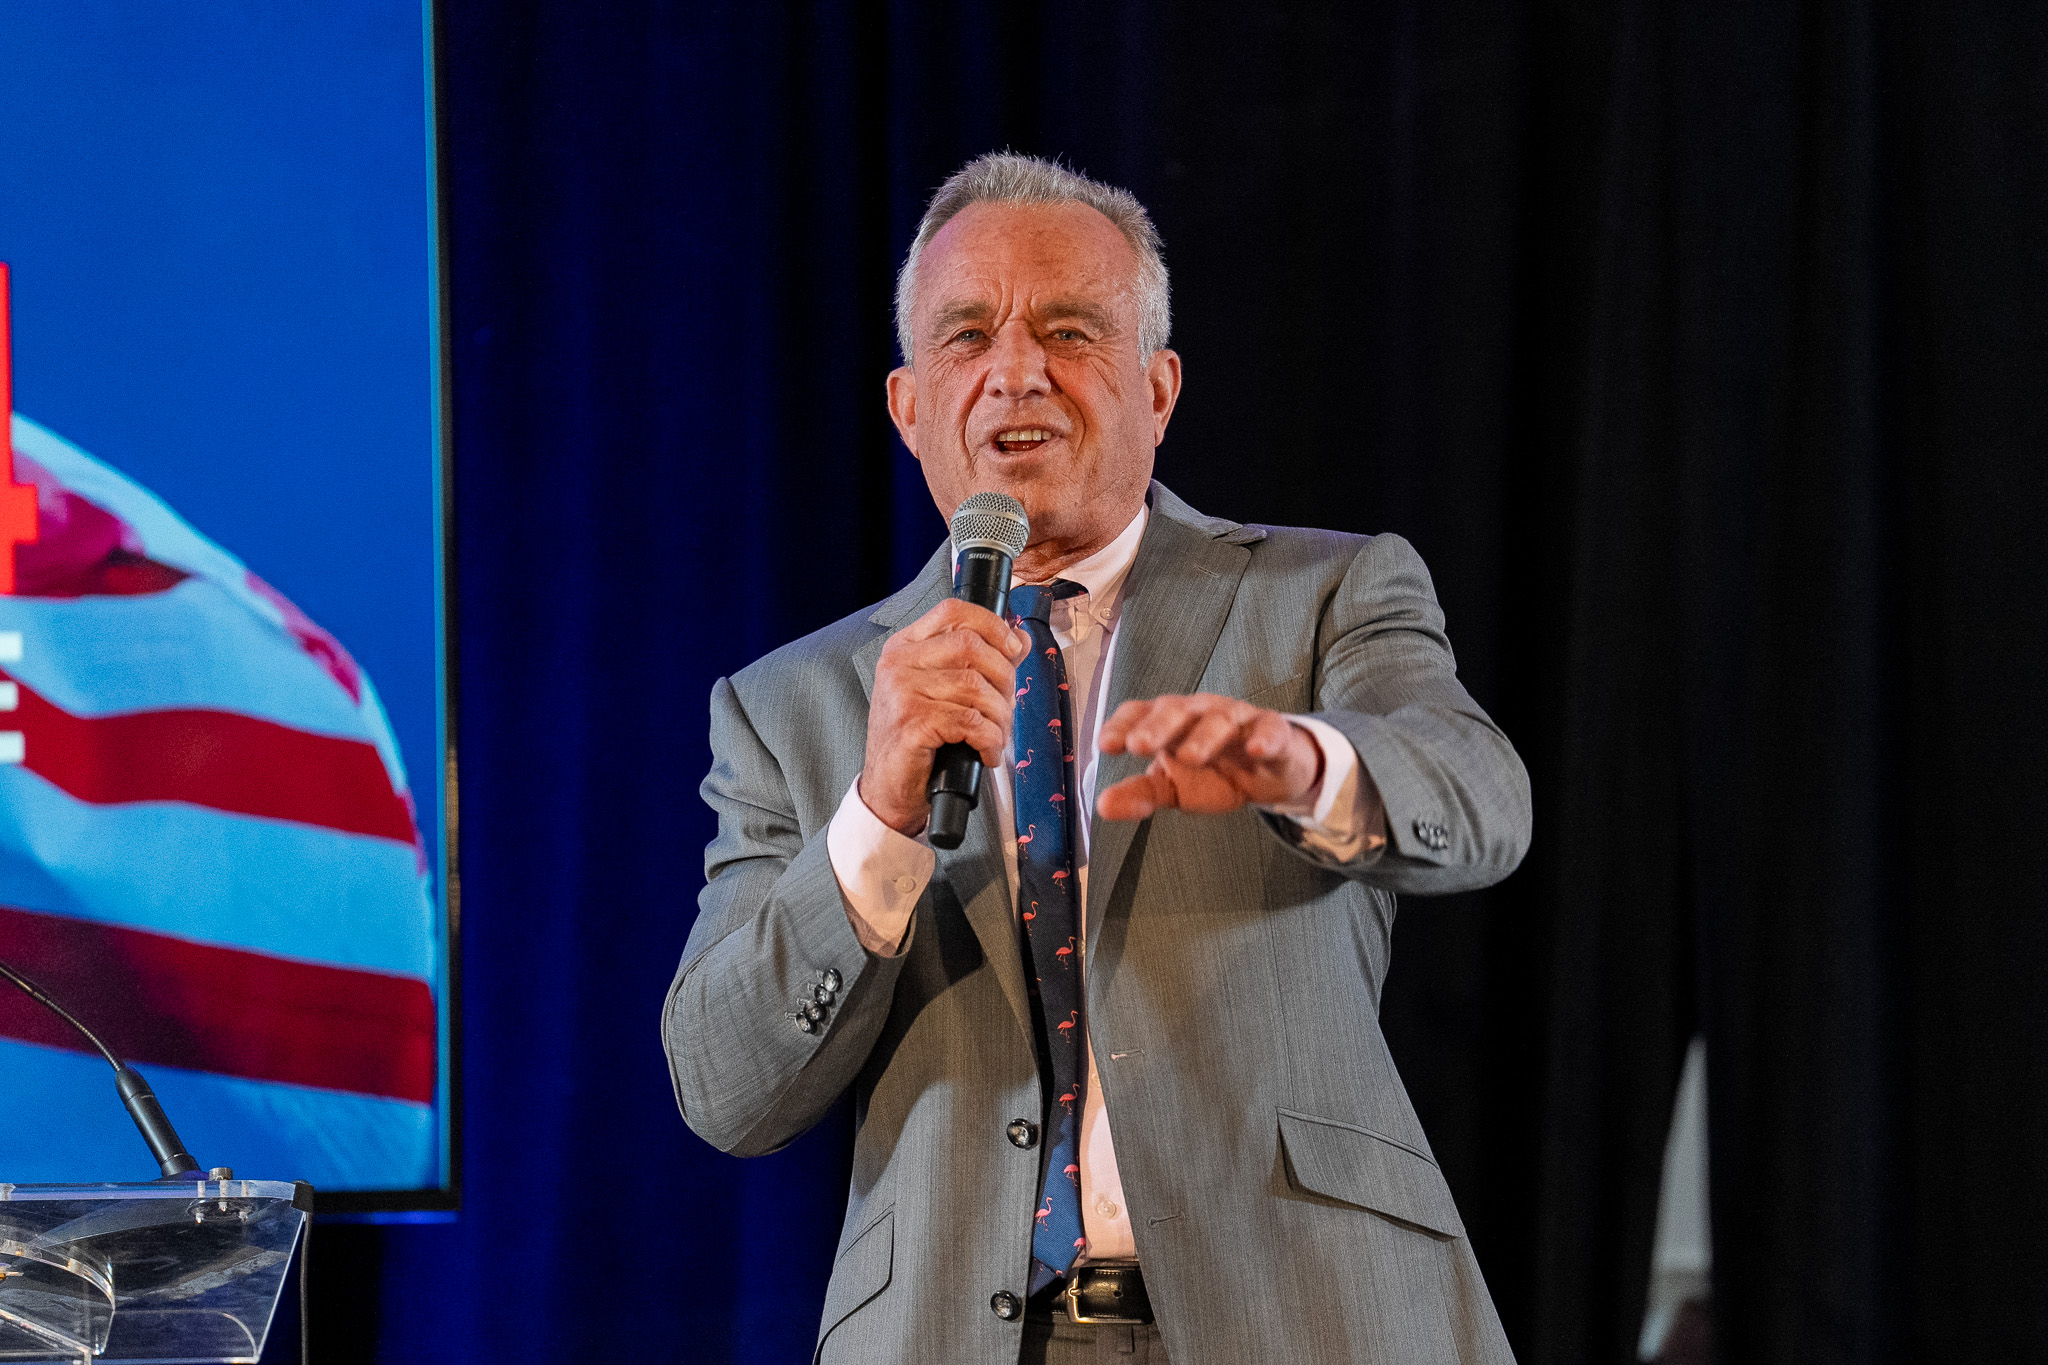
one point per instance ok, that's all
(1343, 817)
(881, 873)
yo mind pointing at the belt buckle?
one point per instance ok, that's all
(1072, 1297)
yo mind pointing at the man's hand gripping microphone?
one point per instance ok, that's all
(989, 531)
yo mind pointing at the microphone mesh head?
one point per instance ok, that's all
(993, 521)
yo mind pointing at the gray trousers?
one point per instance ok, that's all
(1060, 1342)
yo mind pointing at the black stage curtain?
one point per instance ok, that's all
(1702, 350)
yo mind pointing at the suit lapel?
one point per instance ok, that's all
(909, 602)
(1181, 587)
(974, 870)
(976, 873)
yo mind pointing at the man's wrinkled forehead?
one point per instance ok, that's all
(1041, 259)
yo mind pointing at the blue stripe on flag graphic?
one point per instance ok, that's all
(191, 647)
(269, 886)
(60, 1120)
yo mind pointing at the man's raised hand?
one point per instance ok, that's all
(948, 677)
(1209, 754)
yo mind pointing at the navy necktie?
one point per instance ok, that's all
(1048, 903)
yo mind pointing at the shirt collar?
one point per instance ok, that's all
(1102, 573)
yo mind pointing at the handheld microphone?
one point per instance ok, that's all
(989, 531)
(164, 1143)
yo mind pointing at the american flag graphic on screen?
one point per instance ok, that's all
(207, 847)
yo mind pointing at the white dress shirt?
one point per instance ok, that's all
(882, 873)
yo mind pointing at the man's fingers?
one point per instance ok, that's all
(990, 740)
(951, 625)
(1167, 784)
(956, 649)
(1209, 754)
(1205, 739)
(1134, 798)
(1268, 736)
(1196, 729)
(965, 687)
(951, 723)
(956, 615)
(1144, 726)
(1111, 739)
(904, 692)
(993, 708)
(1162, 726)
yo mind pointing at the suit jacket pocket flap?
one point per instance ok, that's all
(1358, 1166)
(862, 1271)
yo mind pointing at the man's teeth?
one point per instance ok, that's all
(1025, 434)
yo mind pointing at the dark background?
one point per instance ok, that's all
(1700, 349)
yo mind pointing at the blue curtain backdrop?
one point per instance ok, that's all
(1699, 352)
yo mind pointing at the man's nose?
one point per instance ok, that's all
(1016, 364)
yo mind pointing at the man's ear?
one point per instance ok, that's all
(1162, 376)
(903, 406)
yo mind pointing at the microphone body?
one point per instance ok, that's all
(955, 787)
(989, 532)
(155, 1126)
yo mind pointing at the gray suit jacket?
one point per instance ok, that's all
(1284, 1199)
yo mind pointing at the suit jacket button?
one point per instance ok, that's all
(831, 980)
(806, 1025)
(1022, 1134)
(1006, 1305)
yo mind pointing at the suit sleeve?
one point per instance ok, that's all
(1455, 792)
(771, 923)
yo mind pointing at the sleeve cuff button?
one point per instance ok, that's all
(1432, 835)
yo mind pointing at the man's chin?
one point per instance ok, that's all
(1050, 514)
(1032, 480)
(1060, 509)
(1008, 471)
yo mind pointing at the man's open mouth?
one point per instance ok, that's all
(1017, 440)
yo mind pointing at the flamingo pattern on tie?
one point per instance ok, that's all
(1050, 918)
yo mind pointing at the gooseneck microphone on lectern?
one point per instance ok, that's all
(141, 1102)
(989, 531)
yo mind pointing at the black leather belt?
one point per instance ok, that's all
(1101, 1293)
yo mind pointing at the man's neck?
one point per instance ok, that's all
(1043, 563)
(1045, 560)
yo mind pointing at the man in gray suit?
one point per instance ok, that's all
(1267, 740)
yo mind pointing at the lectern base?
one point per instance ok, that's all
(164, 1273)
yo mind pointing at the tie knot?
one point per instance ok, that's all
(1033, 601)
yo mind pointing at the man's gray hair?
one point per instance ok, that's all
(1007, 178)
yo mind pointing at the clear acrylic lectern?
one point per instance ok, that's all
(170, 1272)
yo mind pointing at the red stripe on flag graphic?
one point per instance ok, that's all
(154, 998)
(218, 759)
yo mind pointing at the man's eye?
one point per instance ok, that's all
(1067, 334)
(970, 334)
